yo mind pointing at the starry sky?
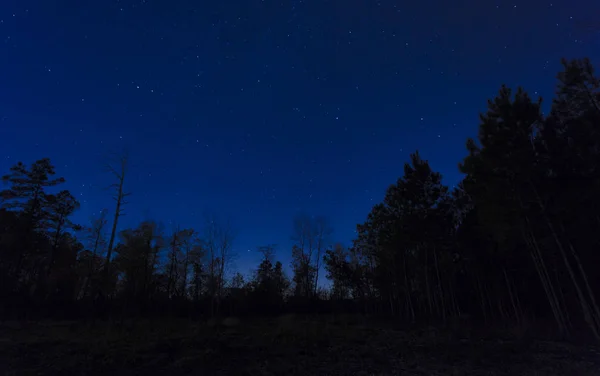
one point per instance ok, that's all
(257, 110)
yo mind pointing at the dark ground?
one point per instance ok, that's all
(288, 345)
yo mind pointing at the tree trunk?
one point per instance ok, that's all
(408, 292)
(588, 315)
(172, 264)
(113, 233)
(429, 300)
(481, 298)
(547, 285)
(441, 291)
(185, 273)
(511, 296)
(84, 288)
(587, 284)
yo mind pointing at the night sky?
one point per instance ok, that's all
(258, 110)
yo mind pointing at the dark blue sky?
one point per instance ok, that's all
(257, 110)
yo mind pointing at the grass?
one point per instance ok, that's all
(284, 346)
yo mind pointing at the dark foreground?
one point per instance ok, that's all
(284, 346)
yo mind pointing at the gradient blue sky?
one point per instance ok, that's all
(256, 109)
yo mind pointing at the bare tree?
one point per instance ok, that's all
(192, 252)
(218, 241)
(119, 196)
(302, 254)
(267, 251)
(321, 231)
(184, 250)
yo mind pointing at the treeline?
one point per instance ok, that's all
(516, 241)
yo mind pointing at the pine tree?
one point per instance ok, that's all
(27, 196)
(503, 179)
(27, 192)
(569, 149)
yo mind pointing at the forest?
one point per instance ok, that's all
(514, 244)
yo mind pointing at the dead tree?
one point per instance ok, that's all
(119, 197)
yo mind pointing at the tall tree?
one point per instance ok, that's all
(309, 236)
(119, 196)
(174, 258)
(304, 273)
(322, 230)
(569, 150)
(191, 248)
(27, 196)
(218, 242)
(27, 191)
(404, 241)
(138, 260)
(338, 271)
(503, 179)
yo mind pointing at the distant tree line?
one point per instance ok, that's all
(515, 241)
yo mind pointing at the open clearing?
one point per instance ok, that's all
(273, 347)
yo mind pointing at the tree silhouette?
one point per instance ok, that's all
(119, 197)
(28, 198)
(269, 284)
(512, 244)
